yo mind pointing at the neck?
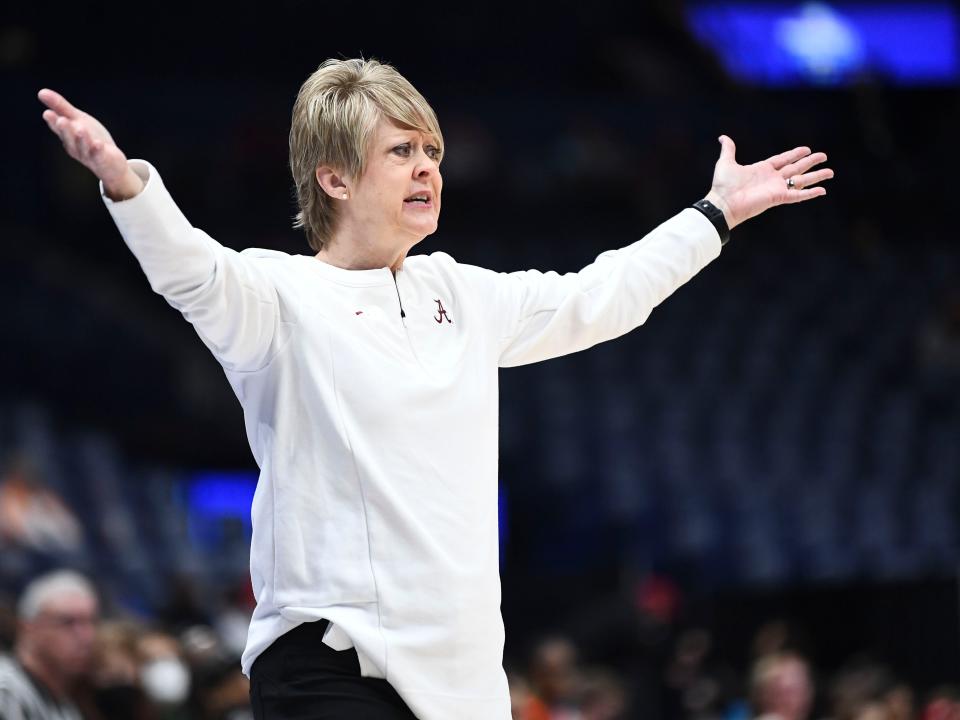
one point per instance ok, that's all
(357, 251)
(57, 684)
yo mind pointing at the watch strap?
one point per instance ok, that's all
(714, 215)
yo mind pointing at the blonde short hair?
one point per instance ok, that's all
(334, 118)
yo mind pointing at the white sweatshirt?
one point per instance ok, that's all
(375, 430)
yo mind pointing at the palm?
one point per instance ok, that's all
(748, 190)
(84, 138)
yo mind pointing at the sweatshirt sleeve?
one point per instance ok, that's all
(546, 315)
(224, 294)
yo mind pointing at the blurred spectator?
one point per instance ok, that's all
(864, 688)
(943, 704)
(781, 687)
(164, 674)
(116, 688)
(524, 705)
(632, 630)
(225, 695)
(556, 678)
(58, 615)
(899, 702)
(33, 516)
(872, 711)
(183, 608)
(693, 689)
(220, 690)
(233, 619)
(603, 695)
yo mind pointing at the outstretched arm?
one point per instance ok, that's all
(544, 315)
(226, 295)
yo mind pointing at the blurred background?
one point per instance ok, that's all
(749, 506)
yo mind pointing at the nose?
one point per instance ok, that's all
(425, 165)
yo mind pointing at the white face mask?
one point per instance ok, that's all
(165, 681)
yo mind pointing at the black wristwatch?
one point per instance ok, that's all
(714, 215)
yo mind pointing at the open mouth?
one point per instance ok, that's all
(419, 200)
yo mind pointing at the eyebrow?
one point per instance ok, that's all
(431, 139)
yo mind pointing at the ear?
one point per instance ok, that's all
(333, 184)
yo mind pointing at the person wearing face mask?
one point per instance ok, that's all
(164, 676)
(368, 379)
(57, 615)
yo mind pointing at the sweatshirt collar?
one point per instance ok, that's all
(356, 278)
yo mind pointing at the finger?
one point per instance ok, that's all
(808, 179)
(88, 145)
(58, 103)
(728, 150)
(790, 156)
(68, 136)
(50, 117)
(795, 196)
(82, 146)
(803, 164)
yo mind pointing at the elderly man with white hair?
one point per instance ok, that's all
(57, 617)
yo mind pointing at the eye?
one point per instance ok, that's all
(402, 150)
(434, 152)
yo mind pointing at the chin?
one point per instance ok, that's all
(422, 231)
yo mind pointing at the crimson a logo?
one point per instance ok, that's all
(442, 313)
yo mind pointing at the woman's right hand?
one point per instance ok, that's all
(88, 142)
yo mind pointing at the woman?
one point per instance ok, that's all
(368, 381)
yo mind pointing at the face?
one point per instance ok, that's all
(789, 693)
(555, 670)
(63, 633)
(402, 163)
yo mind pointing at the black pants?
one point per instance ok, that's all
(300, 678)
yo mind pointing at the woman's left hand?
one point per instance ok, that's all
(743, 191)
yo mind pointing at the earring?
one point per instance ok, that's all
(344, 196)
